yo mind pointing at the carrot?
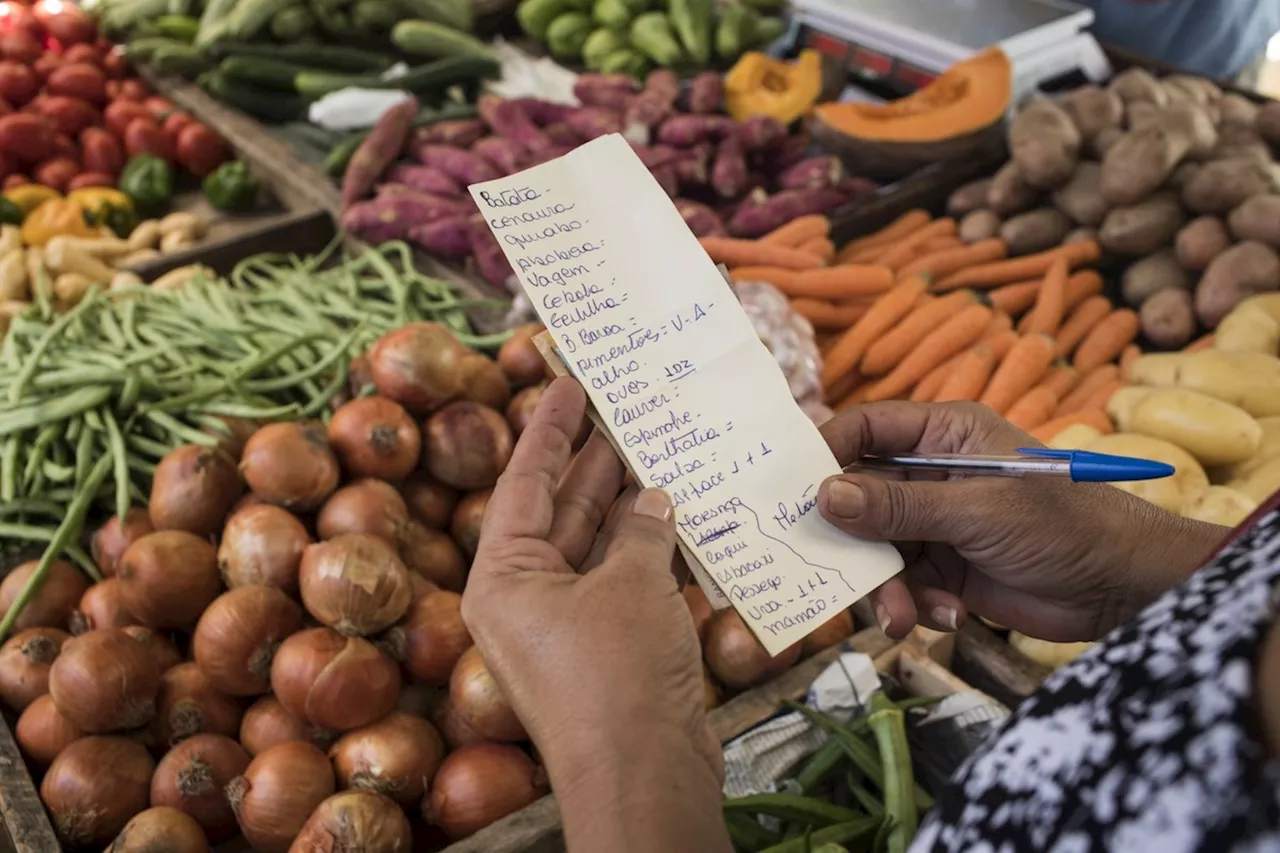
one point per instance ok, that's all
(741, 253)
(1019, 269)
(844, 387)
(1046, 316)
(947, 261)
(777, 276)
(1127, 358)
(885, 354)
(821, 247)
(972, 368)
(799, 231)
(1032, 408)
(1000, 343)
(1080, 322)
(1062, 380)
(1198, 344)
(886, 311)
(826, 315)
(854, 397)
(891, 233)
(1096, 418)
(928, 387)
(956, 334)
(1098, 399)
(839, 284)
(1015, 298)
(1000, 322)
(1080, 287)
(1018, 372)
(1091, 382)
(1107, 339)
(901, 252)
(937, 244)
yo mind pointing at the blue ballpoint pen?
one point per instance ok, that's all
(1079, 465)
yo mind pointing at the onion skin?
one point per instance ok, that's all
(43, 732)
(430, 503)
(522, 406)
(262, 545)
(484, 382)
(113, 538)
(237, 638)
(433, 556)
(101, 606)
(25, 661)
(452, 727)
(232, 439)
(468, 445)
(160, 829)
(334, 682)
(479, 784)
(94, 787)
(736, 657)
(105, 681)
(355, 820)
(168, 578)
(468, 519)
(519, 357)
(190, 705)
(191, 777)
(396, 757)
(290, 464)
(278, 792)
(478, 699)
(365, 506)
(161, 649)
(834, 630)
(193, 489)
(431, 638)
(355, 584)
(375, 437)
(699, 608)
(55, 599)
(268, 723)
(418, 365)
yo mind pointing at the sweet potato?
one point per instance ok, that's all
(438, 205)
(611, 91)
(1081, 197)
(702, 220)
(785, 154)
(1009, 192)
(1044, 143)
(821, 171)
(487, 254)
(656, 101)
(509, 120)
(1093, 110)
(1236, 274)
(543, 113)
(667, 178)
(978, 225)
(1267, 124)
(378, 150)
(705, 91)
(551, 152)
(1168, 318)
(693, 165)
(683, 131)
(729, 169)
(761, 132)
(465, 167)
(1257, 219)
(1137, 84)
(389, 217)
(592, 122)
(759, 213)
(1141, 228)
(425, 178)
(1036, 231)
(561, 133)
(1200, 241)
(503, 155)
(1221, 185)
(968, 198)
(447, 237)
(459, 132)
(1140, 162)
(1152, 274)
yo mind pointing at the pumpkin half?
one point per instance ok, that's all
(761, 85)
(950, 119)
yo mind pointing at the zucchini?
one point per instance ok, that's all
(329, 56)
(443, 73)
(141, 50)
(275, 107)
(452, 13)
(180, 27)
(251, 17)
(372, 17)
(213, 21)
(336, 22)
(182, 60)
(317, 84)
(273, 75)
(425, 38)
(292, 23)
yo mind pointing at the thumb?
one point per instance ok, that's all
(875, 508)
(645, 537)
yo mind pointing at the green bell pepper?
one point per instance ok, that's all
(147, 180)
(231, 186)
(10, 213)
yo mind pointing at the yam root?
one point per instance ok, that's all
(509, 120)
(702, 220)
(378, 150)
(428, 179)
(705, 93)
(459, 132)
(488, 255)
(503, 155)
(812, 173)
(465, 167)
(447, 237)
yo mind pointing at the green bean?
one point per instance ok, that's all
(180, 430)
(32, 362)
(791, 807)
(142, 466)
(29, 506)
(84, 454)
(119, 460)
(56, 409)
(840, 833)
(9, 469)
(819, 767)
(36, 452)
(56, 472)
(869, 801)
(747, 833)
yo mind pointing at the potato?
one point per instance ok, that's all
(1201, 90)
(1186, 171)
(1093, 110)
(1220, 505)
(1157, 369)
(1152, 274)
(1213, 431)
(1141, 114)
(1257, 219)
(1171, 493)
(1081, 197)
(1239, 272)
(1045, 653)
(1120, 405)
(1044, 143)
(1081, 235)
(1136, 84)
(1036, 231)
(1009, 192)
(1262, 483)
(1074, 437)
(968, 198)
(1237, 111)
(1200, 241)
(1194, 122)
(1140, 162)
(1250, 380)
(1140, 229)
(1267, 124)
(1224, 184)
(1268, 302)
(1168, 318)
(1269, 449)
(1106, 140)
(978, 225)
(1247, 329)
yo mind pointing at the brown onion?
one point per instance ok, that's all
(278, 792)
(160, 830)
(519, 357)
(262, 545)
(484, 382)
(25, 661)
(480, 702)
(193, 489)
(431, 638)
(290, 464)
(522, 406)
(699, 608)
(360, 376)
(429, 502)
(432, 555)
(710, 690)
(420, 586)
(468, 519)
(479, 784)
(451, 726)
(375, 437)
(162, 650)
(192, 777)
(355, 584)
(247, 500)
(114, 537)
(355, 820)
(268, 723)
(232, 434)
(54, 600)
(93, 788)
(105, 681)
(468, 445)
(828, 634)
(43, 732)
(237, 637)
(396, 757)
(365, 506)
(417, 699)
(418, 365)
(736, 657)
(334, 682)
(190, 705)
(101, 606)
(168, 578)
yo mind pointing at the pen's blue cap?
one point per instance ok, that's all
(1089, 467)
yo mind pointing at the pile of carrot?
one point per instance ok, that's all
(911, 312)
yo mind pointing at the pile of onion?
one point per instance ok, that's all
(54, 600)
(418, 365)
(267, 723)
(160, 829)
(190, 705)
(334, 682)
(193, 776)
(355, 583)
(290, 464)
(101, 606)
(164, 654)
(236, 639)
(736, 657)
(94, 787)
(365, 506)
(396, 756)
(468, 445)
(168, 578)
(479, 784)
(25, 661)
(431, 637)
(192, 489)
(467, 520)
(43, 732)
(114, 538)
(105, 681)
(277, 793)
(356, 820)
(262, 545)
(479, 701)
(375, 437)
(429, 502)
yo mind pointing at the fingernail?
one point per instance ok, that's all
(882, 616)
(653, 503)
(845, 499)
(945, 616)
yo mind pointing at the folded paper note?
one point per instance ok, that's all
(690, 396)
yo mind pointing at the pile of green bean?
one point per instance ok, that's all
(857, 791)
(92, 399)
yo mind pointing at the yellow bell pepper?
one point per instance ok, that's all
(58, 217)
(30, 196)
(93, 199)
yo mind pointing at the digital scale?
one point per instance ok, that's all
(904, 44)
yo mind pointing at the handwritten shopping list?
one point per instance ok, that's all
(696, 403)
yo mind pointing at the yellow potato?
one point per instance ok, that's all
(1248, 328)
(1157, 369)
(1269, 449)
(1188, 480)
(1268, 302)
(1214, 432)
(1250, 380)
(1262, 483)
(1220, 505)
(1074, 437)
(1045, 653)
(1120, 405)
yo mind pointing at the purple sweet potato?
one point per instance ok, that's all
(702, 220)
(760, 212)
(503, 154)
(761, 132)
(654, 156)
(543, 112)
(592, 122)
(463, 166)
(509, 120)
(667, 178)
(656, 102)
(449, 237)
(379, 149)
(391, 216)
(823, 171)
(705, 91)
(539, 157)
(445, 205)
(491, 263)
(856, 188)
(685, 131)
(692, 166)
(458, 132)
(729, 169)
(611, 91)
(790, 151)
(562, 133)
(428, 179)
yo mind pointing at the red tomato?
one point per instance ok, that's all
(121, 112)
(45, 65)
(26, 137)
(113, 89)
(115, 64)
(174, 124)
(6, 166)
(134, 89)
(17, 84)
(144, 136)
(12, 181)
(91, 179)
(200, 150)
(71, 115)
(19, 46)
(18, 18)
(83, 53)
(160, 107)
(56, 173)
(5, 109)
(100, 152)
(79, 80)
(64, 146)
(67, 23)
